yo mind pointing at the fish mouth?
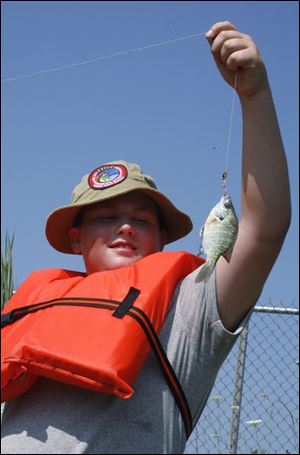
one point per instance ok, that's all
(226, 200)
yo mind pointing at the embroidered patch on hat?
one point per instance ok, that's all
(107, 175)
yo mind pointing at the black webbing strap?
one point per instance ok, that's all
(18, 313)
(126, 308)
(166, 367)
(127, 303)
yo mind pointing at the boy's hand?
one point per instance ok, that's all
(235, 51)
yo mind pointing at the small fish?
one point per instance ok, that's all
(218, 235)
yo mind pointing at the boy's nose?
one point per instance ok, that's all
(125, 227)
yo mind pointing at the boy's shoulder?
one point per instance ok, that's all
(54, 273)
(42, 279)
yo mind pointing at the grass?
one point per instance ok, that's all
(7, 281)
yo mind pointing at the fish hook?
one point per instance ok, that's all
(224, 177)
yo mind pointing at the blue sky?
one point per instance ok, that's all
(165, 107)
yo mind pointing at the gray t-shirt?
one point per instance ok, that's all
(56, 418)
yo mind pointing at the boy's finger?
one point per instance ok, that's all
(217, 28)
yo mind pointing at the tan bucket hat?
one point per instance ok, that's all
(105, 182)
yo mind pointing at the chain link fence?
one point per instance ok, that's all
(254, 404)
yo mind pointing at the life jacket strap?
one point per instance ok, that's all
(166, 368)
(127, 303)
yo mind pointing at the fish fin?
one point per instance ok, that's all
(204, 271)
(202, 248)
(201, 233)
(227, 254)
(201, 251)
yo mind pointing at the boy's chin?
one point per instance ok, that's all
(113, 263)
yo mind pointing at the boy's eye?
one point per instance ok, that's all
(111, 218)
(103, 218)
(140, 220)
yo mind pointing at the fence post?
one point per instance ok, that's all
(238, 389)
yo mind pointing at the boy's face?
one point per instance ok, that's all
(117, 232)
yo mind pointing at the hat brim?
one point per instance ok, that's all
(176, 223)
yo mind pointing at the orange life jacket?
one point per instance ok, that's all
(59, 324)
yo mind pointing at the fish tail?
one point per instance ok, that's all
(205, 271)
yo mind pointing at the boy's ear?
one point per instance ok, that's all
(74, 240)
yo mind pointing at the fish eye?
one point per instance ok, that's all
(227, 204)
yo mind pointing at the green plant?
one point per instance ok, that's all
(7, 281)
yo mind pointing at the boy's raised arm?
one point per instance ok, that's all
(265, 194)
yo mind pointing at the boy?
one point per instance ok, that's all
(118, 219)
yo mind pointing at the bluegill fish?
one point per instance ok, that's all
(218, 235)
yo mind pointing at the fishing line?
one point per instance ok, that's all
(105, 57)
(225, 172)
(139, 49)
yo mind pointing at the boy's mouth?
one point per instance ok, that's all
(123, 245)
